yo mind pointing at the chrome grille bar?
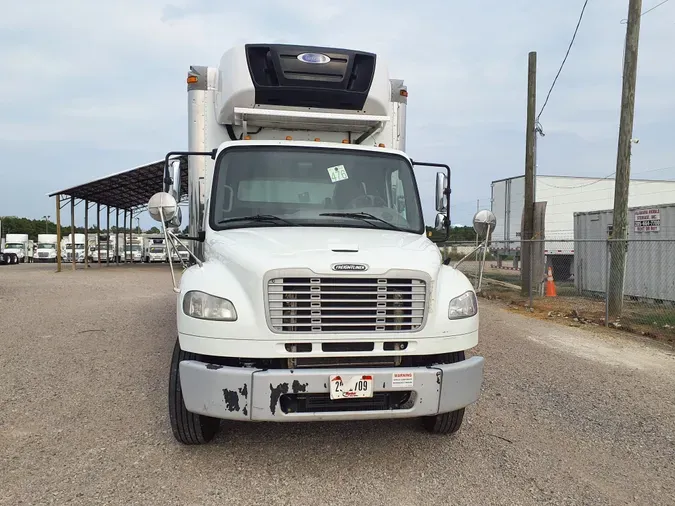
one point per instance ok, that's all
(346, 304)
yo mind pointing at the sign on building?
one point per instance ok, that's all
(647, 220)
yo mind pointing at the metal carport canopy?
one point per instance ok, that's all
(130, 189)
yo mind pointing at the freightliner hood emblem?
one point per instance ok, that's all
(349, 267)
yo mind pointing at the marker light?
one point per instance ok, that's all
(316, 139)
(345, 141)
(404, 93)
(247, 138)
(380, 145)
(289, 138)
(192, 79)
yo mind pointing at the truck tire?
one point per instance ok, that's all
(446, 423)
(188, 428)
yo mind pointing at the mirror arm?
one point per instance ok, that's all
(197, 260)
(200, 238)
(167, 176)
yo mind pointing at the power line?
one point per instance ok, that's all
(608, 177)
(569, 48)
(624, 21)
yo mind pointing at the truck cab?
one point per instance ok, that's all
(47, 248)
(314, 291)
(17, 244)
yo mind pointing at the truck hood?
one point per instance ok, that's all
(259, 250)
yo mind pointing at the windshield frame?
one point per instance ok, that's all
(338, 222)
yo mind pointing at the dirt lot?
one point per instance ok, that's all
(567, 415)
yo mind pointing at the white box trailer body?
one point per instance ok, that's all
(289, 314)
(564, 196)
(18, 244)
(650, 258)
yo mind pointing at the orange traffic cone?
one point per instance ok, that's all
(550, 285)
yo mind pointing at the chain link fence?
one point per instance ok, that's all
(577, 280)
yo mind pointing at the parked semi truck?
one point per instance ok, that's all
(47, 248)
(314, 291)
(18, 244)
(67, 248)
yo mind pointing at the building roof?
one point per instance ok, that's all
(130, 189)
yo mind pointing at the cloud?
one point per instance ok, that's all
(98, 87)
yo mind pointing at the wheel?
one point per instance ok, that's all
(446, 423)
(188, 428)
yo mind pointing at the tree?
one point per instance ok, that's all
(153, 230)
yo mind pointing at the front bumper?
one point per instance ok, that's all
(249, 394)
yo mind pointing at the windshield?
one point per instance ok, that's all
(46, 245)
(134, 248)
(14, 245)
(156, 249)
(299, 184)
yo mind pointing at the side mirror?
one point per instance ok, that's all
(441, 192)
(177, 220)
(441, 222)
(162, 204)
(175, 175)
(484, 223)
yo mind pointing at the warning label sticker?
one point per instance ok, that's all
(402, 379)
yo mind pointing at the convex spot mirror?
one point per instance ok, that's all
(441, 192)
(441, 222)
(167, 204)
(484, 223)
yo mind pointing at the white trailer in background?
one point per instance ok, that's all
(650, 261)
(47, 248)
(564, 196)
(315, 293)
(18, 245)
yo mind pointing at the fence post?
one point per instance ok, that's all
(607, 273)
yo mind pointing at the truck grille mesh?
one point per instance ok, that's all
(346, 304)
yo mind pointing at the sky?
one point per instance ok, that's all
(93, 88)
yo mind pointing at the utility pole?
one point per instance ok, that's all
(619, 247)
(526, 231)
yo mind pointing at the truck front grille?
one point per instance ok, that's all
(346, 304)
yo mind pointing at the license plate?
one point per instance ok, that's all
(351, 387)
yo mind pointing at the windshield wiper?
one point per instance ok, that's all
(363, 216)
(262, 218)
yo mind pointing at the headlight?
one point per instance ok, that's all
(464, 306)
(207, 307)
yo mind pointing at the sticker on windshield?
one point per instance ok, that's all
(337, 173)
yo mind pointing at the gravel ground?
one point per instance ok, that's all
(566, 416)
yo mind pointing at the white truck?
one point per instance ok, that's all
(18, 244)
(47, 248)
(135, 250)
(314, 292)
(155, 249)
(67, 248)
